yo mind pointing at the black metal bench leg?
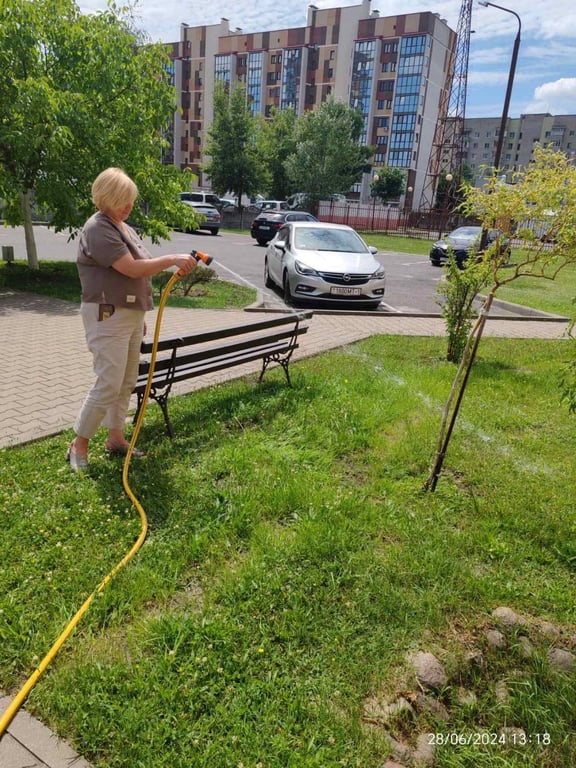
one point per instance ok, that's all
(283, 361)
(163, 403)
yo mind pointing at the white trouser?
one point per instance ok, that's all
(115, 347)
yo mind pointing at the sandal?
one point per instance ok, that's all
(77, 463)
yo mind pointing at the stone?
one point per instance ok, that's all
(401, 751)
(424, 752)
(429, 670)
(466, 698)
(495, 639)
(501, 692)
(561, 660)
(549, 630)
(514, 736)
(432, 706)
(526, 647)
(508, 618)
(376, 709)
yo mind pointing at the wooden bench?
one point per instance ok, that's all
(185, 357)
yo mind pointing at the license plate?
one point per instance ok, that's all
(342, 290)
(261, 227)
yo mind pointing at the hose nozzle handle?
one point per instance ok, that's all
(205, 258)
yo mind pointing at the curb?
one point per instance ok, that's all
(521, 312)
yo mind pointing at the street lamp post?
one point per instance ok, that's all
(504, 120)
(375, 180)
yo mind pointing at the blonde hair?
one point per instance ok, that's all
(113, 189)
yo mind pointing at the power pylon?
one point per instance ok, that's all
(448, 143)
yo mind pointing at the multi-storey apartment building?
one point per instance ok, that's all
(522, 133)
(394, 69)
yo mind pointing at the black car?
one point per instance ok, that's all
(462, 241)
(266, 225)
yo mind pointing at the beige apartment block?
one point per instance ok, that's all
(395, 69)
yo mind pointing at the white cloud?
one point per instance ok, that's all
(557, 97)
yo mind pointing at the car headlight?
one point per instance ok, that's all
(302, 269)
(379, 274)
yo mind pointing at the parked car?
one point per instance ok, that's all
(266, 224)
(211, 216)
(462, 241)
(272, 205)
(201, 197)
(329, 264)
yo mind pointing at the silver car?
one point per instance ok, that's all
(210, 217)
(328, 264)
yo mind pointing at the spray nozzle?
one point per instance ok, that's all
(205, 258)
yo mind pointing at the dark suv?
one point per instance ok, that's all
(266, 225)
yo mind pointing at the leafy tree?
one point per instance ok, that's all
(459, 290)
(547, 184)
(389, 184)
(328, 158)
(235, 163)
(276, 142)
(78, 94)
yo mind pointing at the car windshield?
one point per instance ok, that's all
(466, 232)
(316, 239)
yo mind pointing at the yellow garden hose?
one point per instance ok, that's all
(22, 694)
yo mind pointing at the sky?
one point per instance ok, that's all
(545, 78)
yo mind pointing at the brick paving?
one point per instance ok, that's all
(46, 372)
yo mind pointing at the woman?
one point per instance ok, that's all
(115, 274)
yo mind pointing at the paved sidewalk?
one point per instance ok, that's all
(46, 372)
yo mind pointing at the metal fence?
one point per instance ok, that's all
(368, 217)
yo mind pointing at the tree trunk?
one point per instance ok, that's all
(31, 253)
(452, 406)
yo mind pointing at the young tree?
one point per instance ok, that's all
(329, 158)
(77, 94)
(235, 163)
(547, 184)
(459, 288)
(388, 183)
(276, 142)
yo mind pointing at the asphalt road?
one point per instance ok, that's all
(411, 280)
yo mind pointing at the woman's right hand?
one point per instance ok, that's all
(185, 262)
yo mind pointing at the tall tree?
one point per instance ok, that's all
(79, 93)
(328, 158)
(235, 164)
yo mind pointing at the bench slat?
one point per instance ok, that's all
(271, 340)
(223, 333)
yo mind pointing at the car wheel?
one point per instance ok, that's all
(287, 295)
(214, 231)
(260, 241)
(267, 279)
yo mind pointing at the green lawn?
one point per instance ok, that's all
(293, 561)
(60, 280)
(556, 296)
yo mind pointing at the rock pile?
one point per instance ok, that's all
(440, 693)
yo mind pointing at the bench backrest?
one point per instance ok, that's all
(195, 354)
